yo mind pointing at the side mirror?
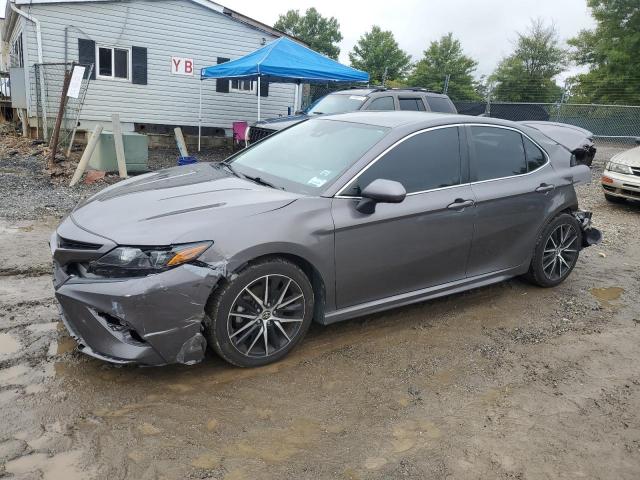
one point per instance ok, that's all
(380, 191)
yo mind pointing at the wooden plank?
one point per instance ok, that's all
(182, 145)
(117, 138)
(86, 155)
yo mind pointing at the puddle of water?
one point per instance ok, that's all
(64, 466)
(65, 344)
(607, 294)
(24, 375)
(8, 344)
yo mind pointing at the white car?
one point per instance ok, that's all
(621, 176)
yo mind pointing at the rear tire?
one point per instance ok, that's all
(248, 331)
(556, 252)
(614, 199)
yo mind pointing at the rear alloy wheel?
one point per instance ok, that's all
(556, 252)
(262, 314)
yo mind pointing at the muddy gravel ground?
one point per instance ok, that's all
(505, 382)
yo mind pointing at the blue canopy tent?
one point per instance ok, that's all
(281, 61)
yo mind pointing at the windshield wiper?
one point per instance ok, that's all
(228, 166)
(260, 181)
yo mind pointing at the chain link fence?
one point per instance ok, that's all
(47, 91)
(612, 122)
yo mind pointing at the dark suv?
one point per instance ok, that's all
(351, 100)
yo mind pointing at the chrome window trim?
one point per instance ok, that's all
(438, 127)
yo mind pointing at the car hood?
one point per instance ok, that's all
(176, 205)
(629, 157)
(280, 123)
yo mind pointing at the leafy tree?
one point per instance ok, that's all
(445, 57)
(378, 53)
(322, 34)
(527, 74)
(612, 53)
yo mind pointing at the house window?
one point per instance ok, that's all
(16, 55)
(242, 86)
(113, 63)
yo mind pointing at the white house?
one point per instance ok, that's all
(147, 56)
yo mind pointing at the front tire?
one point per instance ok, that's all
(262, 314)
(556, 251)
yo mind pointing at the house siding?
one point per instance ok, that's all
(166, 28)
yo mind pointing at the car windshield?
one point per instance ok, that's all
(307, 157)
(336, 103)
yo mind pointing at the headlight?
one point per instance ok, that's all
(618, 168)
(141, 261)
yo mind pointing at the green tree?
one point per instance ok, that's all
(527, 74)
(445, 57)
(612, 53)
(378, 53)
(322, 34)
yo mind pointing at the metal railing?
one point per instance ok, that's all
(47, 92)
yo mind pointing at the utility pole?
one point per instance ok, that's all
(384, 76)
(446, 83)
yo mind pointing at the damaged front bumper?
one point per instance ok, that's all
(590, 235)
(152, 320)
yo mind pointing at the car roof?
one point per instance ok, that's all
(394, 119)
(383, 90)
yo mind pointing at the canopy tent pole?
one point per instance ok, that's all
(200, 116)
(295, 100)
(259, 97)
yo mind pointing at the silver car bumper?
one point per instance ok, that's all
(620, 185)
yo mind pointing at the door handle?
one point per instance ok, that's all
(460, 204)
(544, 188)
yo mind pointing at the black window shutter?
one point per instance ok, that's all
(87, 55)
(264, 87)
(222, 85)
(139, 65)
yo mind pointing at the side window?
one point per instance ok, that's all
(423, 162)
(382, 103)
(411, 104)
(440, 104)
(498, 153)
(535, 157)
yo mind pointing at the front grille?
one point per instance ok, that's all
(258, 133)
(636, 171)
(631, 193)
(609, 188)
(76, 245)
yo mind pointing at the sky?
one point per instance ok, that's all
(486, 28)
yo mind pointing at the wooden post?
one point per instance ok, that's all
(56, 130)
(86, 155)
(117, 138)
(182, 146)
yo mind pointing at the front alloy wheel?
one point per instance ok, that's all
(266, 315)
(259, 316)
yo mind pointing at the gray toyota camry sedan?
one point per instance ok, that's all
(333, 218)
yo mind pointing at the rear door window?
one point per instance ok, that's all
(535, 156)
(382, 103)
(498, 153)
(422, 162)
(440, 104)
(412, 103)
